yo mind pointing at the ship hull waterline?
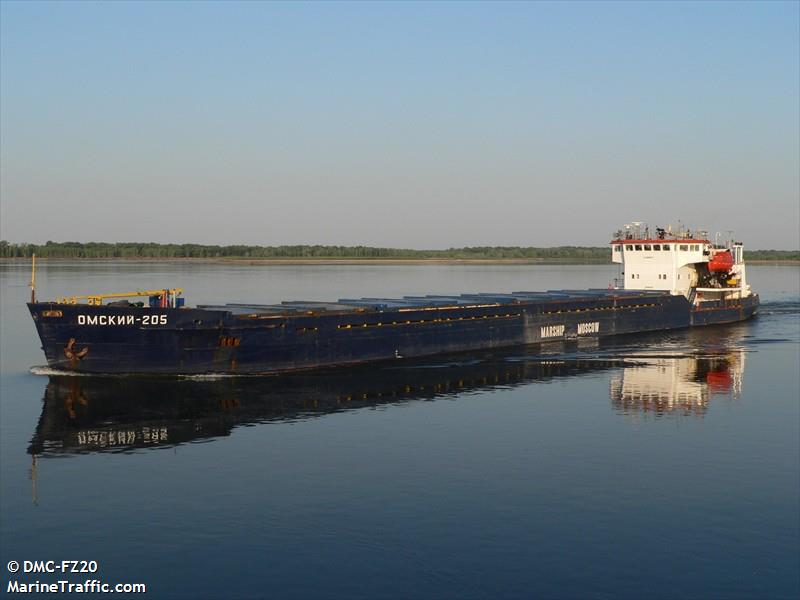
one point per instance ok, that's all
(187, 341)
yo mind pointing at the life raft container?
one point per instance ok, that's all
(722, 262)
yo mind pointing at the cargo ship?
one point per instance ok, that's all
(667, 280)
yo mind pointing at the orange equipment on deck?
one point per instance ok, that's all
(722, 262)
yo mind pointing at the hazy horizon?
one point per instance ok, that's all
(411, 249)
(404, 125)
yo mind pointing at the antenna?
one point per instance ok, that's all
(33, 279)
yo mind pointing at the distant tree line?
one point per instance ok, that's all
(151, 250)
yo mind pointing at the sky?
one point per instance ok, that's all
(415, 125)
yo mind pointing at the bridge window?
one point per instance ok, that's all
(617, 248)
(647, 247)
(628, 247)
(666, 247)
(684, 247)
(638, 247)
(656, 246)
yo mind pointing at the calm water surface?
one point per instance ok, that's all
(659, 466)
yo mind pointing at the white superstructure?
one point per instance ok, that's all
(683, 262)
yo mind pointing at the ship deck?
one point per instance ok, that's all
(429, 301)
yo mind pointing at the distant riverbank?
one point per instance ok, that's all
(318, 254)
(370, 261)
(330, 261)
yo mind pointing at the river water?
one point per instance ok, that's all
(658, 466)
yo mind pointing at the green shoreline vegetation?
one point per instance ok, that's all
(133, 250)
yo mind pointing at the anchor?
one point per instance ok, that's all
(71, 353)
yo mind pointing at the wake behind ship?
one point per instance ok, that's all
(667, 281)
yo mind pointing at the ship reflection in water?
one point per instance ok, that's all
(681, 385)
(120, 414)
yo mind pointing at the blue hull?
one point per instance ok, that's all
(237, 339)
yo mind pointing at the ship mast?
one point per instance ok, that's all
(33, 279)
